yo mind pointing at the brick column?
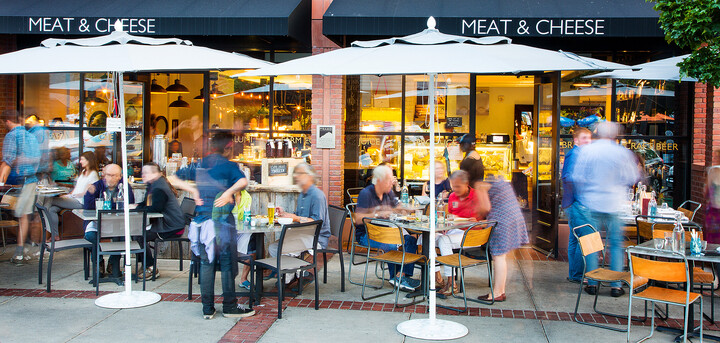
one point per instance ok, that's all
(327, 109)
(8, 83)
(706, 139)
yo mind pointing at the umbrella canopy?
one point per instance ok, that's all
(433, 52)
(665, 69)
(120, 51)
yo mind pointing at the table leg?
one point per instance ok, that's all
(259, 254)
(425, 238)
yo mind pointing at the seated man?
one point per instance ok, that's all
(108, 187)
(379, 201)
(312, 205)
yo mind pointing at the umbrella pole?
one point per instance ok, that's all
(432, 328)
(128, 298)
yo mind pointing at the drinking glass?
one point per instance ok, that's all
(659, 243)
(703, 245)
(99, 204)
(668, 239)
(271, 213)
(393, 216)
(664, 206)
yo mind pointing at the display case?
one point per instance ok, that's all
(417, 157)
(497, 159)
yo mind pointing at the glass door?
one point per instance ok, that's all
(545, 207)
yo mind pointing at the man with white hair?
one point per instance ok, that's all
(602, 174)
(379, 201)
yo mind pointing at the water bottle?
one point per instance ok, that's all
(652, 206)
(107, 201)
(246, 217)
(440, 211)
(404, 195)
(678, 238)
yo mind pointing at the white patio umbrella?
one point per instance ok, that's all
(432, 52)
(665, 69)
(120, 52)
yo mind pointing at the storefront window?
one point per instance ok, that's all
(54, 98)
(176, 113)
(452, 103)
(645, 107)
(380, 103)
(244, 100)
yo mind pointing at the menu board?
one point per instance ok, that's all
(453, 122)
(276, 169)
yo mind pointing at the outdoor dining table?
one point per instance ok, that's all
(711, 255)
(423, 227)
(91, 215)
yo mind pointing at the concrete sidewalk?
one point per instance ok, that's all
(538, 309)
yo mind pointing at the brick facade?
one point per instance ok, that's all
(706, 139)
(327, 109)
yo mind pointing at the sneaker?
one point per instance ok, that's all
(393, 281)
(405, 285)
(238, 312)
(414, 283)
(209, 315)
(245, 284)
(148, 273)
(18, 260)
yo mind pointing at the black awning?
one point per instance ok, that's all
(159, 17)
(512, 18)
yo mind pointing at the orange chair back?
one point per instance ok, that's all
(477, 235)
(645, 229)
(384, 234)
(591, 243)
(689, 214)
(659, 270)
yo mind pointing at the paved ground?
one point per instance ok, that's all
(538, 309)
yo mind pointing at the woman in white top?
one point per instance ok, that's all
(74, 200)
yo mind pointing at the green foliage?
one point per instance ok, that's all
(694, 25)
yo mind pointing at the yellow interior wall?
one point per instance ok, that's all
(502, 113)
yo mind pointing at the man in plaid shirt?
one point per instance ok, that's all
(20, 158)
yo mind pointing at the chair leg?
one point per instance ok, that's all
(145, 264)
(251, 296)
(342, 272)
(86, 263)
(324, 267)
(281, 286)
(97, 271)
(190, 276)
(49, 268)
(40, 264)
(317, 289)
(180, 251)
(155, 257)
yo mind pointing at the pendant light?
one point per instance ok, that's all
(177, 87)
(156, 88)
(135, 101)
(179, 103)
(215, 92)
(201, 96)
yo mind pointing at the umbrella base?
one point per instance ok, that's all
(124, 300)
(432, 330)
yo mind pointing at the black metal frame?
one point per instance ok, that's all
(337, 228)
(102, 213)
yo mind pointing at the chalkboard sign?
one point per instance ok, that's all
(276, 169)
(453, 122)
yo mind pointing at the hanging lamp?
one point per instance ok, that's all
(177, 87)
(179, 103)
(156, 88)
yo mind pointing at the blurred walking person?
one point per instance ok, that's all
(581, 136)
(20, 160)
(602, 174)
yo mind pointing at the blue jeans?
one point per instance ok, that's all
(91, 236)
(611, 224)
(410, 246)
(575, 260)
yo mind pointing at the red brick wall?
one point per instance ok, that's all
(327, 109)
(8, 83)
(706, 138)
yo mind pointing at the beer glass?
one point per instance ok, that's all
(271, 213)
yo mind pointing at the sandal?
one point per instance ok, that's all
(487, 297)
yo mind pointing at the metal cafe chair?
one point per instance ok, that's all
(336, 217)
(702, 278)
(589, 244)
(389, 233)
(476, 235)
(7, 221)
(353, 245)
(111, 224)
(689, 208)
(353, 193)
(283, 264)
(667, 272)
(53, 246)
(188, 208)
